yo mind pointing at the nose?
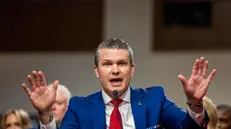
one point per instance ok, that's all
(115, 69)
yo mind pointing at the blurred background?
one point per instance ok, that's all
(59, 37)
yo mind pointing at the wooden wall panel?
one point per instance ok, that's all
(217, 36)
(51, 25)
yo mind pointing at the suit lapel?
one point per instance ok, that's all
(138, 108)
(97, 110)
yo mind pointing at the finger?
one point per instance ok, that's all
(37, 79)
(200, 69)
(31, 81)
(211, 75)
(27, 90)
(205, 69)
(42, 79)
(183, 81)
(195, 67)
(55, 85)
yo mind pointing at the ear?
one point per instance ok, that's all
(132, 69)
(96, 71)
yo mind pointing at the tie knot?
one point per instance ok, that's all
(116, 102)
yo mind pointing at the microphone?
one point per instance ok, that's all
(115, 94)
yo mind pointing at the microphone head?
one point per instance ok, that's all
(115, 93)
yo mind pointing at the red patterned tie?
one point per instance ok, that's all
(115, 120)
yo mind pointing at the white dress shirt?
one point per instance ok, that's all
(126, 112)
(124, 108)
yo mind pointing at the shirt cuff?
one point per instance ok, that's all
(197, 117)
(51, 125)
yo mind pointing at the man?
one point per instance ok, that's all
(59, 108)
(118, 105)
(224, 116)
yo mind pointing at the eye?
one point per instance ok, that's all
(17, 124)
(60, 103)
(106, 64)
(122, 63)
(223, 120)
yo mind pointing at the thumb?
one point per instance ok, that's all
(183, 80)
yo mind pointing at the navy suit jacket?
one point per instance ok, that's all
(150, 107)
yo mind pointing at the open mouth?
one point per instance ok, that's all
(116, 81)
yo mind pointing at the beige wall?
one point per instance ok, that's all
(130, 20)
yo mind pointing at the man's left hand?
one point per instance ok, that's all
(196, 87)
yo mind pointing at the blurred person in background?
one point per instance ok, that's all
(59, 108)
(15, 119)
(210, 108)
(224, 116)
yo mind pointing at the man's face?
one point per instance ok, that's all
(114, 70)
(12, 122)
(224, 121)
(59, 108)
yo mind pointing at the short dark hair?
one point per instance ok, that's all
(226, 108)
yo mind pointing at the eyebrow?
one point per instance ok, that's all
(116, 61)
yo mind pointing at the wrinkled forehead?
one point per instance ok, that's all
(113, 54)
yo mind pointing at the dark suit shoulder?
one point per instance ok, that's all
(155, 88)
(152, 90)
(77, 101)
(83, 100)
(88, 96)
(153, 94)
(93, 95)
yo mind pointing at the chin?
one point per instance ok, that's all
(120, 88)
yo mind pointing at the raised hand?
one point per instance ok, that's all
(196, 87)
(41, 96)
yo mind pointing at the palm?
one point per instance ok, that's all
(197, 85)
(41, 96)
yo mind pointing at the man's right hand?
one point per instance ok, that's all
(41, 96)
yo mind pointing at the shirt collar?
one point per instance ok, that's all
(125, 97)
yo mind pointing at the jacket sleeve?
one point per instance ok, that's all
(176, 118)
